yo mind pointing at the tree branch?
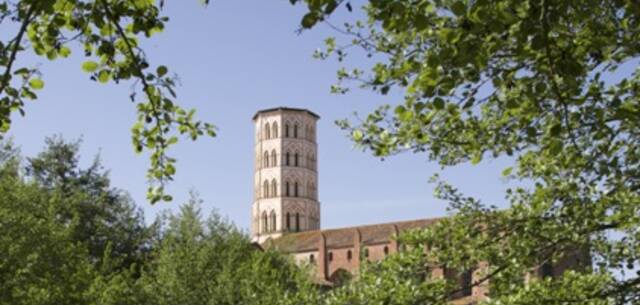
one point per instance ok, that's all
(6, 77)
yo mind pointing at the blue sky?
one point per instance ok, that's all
(234, 58)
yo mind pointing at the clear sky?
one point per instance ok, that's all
(234, 58)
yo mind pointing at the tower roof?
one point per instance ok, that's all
(255, 116)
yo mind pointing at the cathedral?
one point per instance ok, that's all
(285, 213)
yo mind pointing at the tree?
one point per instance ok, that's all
(38, 263)
(68, 237)
(107, 31)
(542, 83)
(105, 218)
(211, 262)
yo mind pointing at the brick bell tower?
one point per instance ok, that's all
(285, 183)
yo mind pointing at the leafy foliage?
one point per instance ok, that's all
(211, 262)
(38, 264)
(105, 218)
(68, 237)
(540, 82)
(108, 32)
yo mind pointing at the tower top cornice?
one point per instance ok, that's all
(285, 109)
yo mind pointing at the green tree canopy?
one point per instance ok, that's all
(212, 262)
(68, 237)
(552, 85)
(107, 32)
(106, 218)
(41, 260)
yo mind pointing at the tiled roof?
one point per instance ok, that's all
(344, 237)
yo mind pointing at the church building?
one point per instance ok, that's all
(286, 210)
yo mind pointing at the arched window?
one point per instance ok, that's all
(272, 226)
(265, 159)
(274, 158)
(288, 221)
(267, 131)
(386, 250)
(274, 130)
(311, 190)
(265, 189)
(295, 189)
(312, 133)
(330, 256)
(296, 159)
(287, 189)
(312, 161)
(274, 188)
(286, 130)
(297, 222)
(312, 259)
(265, 223)
(349, 255)
(295, 130)
(287, 159)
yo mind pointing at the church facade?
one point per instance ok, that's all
(286, 211)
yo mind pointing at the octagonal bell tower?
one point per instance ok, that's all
(285, 183)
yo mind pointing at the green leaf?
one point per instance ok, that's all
(104, 76)
(90, 66)
(438, 103)
(65, 52)
(22, 71)
(507, 171)
(162, 71)
(459, 8)
(309, 20)
(36, 84)
(476, 158)
(357, 135)
(556, 129)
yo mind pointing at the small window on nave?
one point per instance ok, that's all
(330, 256)
(349, 255)
(466, 282)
